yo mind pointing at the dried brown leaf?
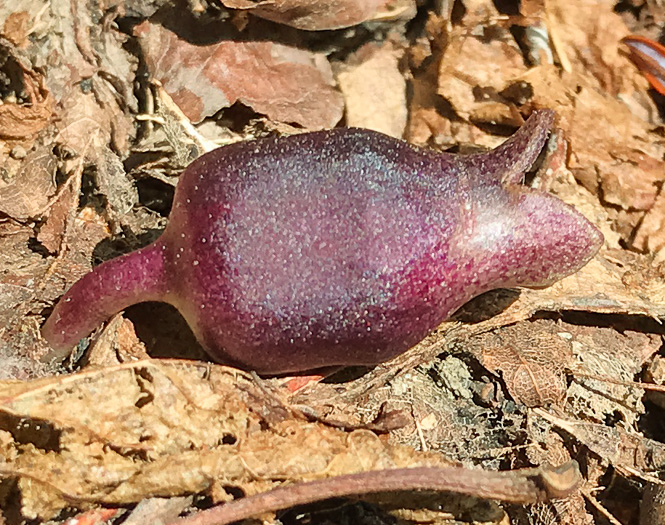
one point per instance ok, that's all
(311, 14)
(284, 83)
(616, 355)
(633, 182)
(116, 344)
(588, 35)
(20, 267)
(87, 128)
(19, 352)
(85, 230)
(165, 428)
(469, 89)
(11, 296)
(531, 358)
(26, 194)
(427, 118)
(24, 120)
(15, 28)
(630, 453)
(84, 125)
(374, 89)
(93, 119)
(51, 233)
(650, 234)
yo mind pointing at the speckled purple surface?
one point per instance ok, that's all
(337, 247)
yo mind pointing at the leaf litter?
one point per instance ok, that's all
(103, 104)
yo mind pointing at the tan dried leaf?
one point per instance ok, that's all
(21, 121)
(531, 358)
(16, 26)
(284, 83)
(84, 126)
(11, 296)
(311, 15)
(650, 234)
(28, 191)
(615, 358)
(498, 63)
(160, 428)
(20, 268)
(89, 128)
(629, 452)
(588, 35)
(613, 153)
(374, 89)
(51, 233)
(116, 344)
(84, 231)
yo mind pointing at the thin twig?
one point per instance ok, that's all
(600, 508)
(520, 486)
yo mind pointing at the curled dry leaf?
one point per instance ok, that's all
(27, 192)
(153, 428)
(532, 359)
(21, 120)
(284, 83)
(588, 37)
(374, 89)
(650, 235)
(613, 151)
(627, 171)
(470, 90)
(311, 15)
(628, 452)
(51, 233)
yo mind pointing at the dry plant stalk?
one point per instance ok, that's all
(520, 486)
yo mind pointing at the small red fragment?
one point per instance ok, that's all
(649, 56)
